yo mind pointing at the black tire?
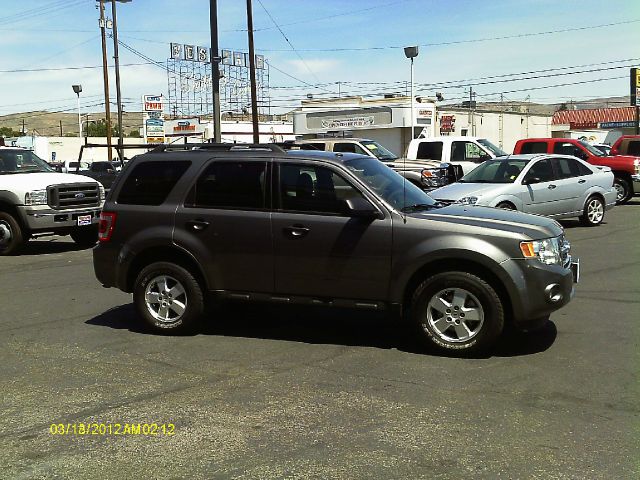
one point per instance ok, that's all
(85, 236)
(183, 308)
(623, 190)
(477, 297)
(593, 213)
(506, 206)
(11, 236)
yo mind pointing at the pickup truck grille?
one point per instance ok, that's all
(73, 195)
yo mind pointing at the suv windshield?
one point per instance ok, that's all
(379, 151)
(497, 151)
(592, 150)
(392, 187)
(21, 161)
(495, 171)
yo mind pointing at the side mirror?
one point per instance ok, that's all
(614, 151)
(361, 208)
(531, 180)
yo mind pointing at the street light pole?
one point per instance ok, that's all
(77, 89)
(105, 73)
(411, 53)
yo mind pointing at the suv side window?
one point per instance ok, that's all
(430, 151)
(149, 183)
(234, 185)
(534, 147)
(309, 188)
(567, 167)
(541, 169)
(349, 148)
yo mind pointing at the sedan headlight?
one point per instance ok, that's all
(35, 197)
(547, 250)
(468, 200)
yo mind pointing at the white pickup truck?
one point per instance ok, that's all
(35, 201)
(468, 152)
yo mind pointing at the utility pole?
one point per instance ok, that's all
(471, 119)
(117, 62)
(60, 127)
(215, 70)
(252, 72)
(105, 73)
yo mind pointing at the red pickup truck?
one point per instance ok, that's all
(627, 145)
(626, 168)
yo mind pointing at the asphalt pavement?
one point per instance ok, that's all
(265, 392)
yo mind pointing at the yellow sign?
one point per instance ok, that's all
(638, 77)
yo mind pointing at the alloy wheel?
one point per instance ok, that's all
(165, 299)
(455, 315)
(595, 211)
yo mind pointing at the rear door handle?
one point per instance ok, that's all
(197, 225)
(551, 187)
(581, 181)
(296, 231)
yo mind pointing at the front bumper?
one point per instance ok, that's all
(636, 182)
(41, 218)
(540, 289)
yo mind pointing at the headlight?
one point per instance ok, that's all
(468, 200)
(433, 177)
(547, 250)
(102, 192)
(35, 197)
(636, 164)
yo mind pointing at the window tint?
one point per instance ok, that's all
(465, 151)
(313, 146)
(349, 148)
(567, 167)
(584, 170)
(230, 185)
(534, 147)
(149, 183)
(542, 170)
(306, 188)
(634, 148)
(430, 151)
(567, 149)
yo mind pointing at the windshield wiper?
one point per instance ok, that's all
(420, 206)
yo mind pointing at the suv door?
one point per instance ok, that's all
(225, 223)
(320, 251)
(540, 193)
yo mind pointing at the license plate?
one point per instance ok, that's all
(575, 269)
(84, 219)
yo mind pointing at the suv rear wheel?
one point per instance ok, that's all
(168, 298)
(457, 312)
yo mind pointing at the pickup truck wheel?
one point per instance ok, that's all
(457, 312)
(623, 190)
(11, 237)
(85, 236)
(168, 298)
(593, 212)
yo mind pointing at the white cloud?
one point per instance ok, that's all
(317, 66)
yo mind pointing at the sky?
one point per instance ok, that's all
(327, 47)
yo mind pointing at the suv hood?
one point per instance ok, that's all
(534, 227)
(456, 191)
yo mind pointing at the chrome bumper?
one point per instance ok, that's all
(46, 219)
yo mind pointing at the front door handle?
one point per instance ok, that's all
(197, 225)
(551, 187)
(296, 231)
(581, 181)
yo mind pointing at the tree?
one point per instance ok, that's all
(134, 133)
(9, 132)
(98, 128)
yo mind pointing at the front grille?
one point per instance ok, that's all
(73, 195)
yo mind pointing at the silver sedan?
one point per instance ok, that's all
(558, 186)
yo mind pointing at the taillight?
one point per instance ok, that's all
(105, 226)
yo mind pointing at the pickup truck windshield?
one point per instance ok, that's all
(495, 171)
(497, 151)
(379, 151)
(21, 161)
(591, 149)
(392, 187)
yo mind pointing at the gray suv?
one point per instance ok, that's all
(182, 225)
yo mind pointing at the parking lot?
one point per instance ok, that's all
(266, 392)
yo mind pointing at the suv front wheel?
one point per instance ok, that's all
(168, 298)
(457, 312)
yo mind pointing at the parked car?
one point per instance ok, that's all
(467, 152)
(557, 186)
(426, 174)
(626, 169)
(35, 200)
(318, 228)
(102, 171)
(627, 145)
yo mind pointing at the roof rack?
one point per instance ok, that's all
(226, 147)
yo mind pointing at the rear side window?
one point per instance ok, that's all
(567, 167)
(566, 149)
(235, 185)
(429, 151)
(149, 183)
(634, 148)
(534, 147)
(349, 148)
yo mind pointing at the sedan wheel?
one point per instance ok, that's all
(593, 212)
(623, 190)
